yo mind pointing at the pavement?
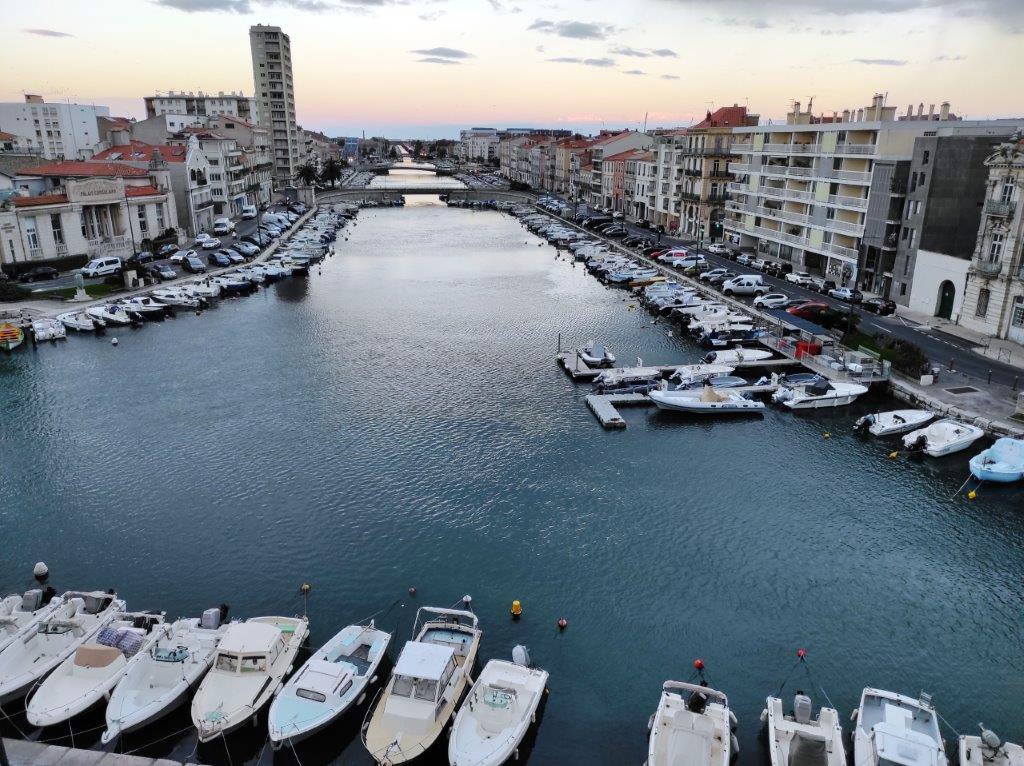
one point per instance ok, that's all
(25, 753)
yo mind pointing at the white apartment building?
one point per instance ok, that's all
(275, 97)
(201, 104)
(641, 180)
(55, 131)
(994, 298)
(227, 174)
(605, 146)
(813, 190)
(477, 145)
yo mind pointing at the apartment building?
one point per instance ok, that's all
(254, 142)
(640, 180)
(568, 151)
(54, 131)
(946, 188)
(317, 148)
(227, 170)
(994, 300)
(90, 209)
(275, 97)
(477, 145)
(607, 145)
(815, 190)
(199, 104)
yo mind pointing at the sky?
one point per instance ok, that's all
(427, 68)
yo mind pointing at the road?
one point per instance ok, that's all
(940, 347)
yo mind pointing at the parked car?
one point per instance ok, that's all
(847, 294)
(181, 255)
(210, 243)
(801, 278)
(707, 276)
(249, 212)
(821, 285)
(879, 306)
(747, 284)
(771, 301)
(139, 258)
(246, 248)
(223, 226)
(744, 259)
(719, 279)
(219, 259)
(758, 263)
(201, 237)
(192, 264)
(101, 267)
(617, 215)
(688, 262)
(819, 313)
(231, 255)
(166, 250)
(258, 239)
(778, 268)
(272, 231)
(162, 271)
(718, 248)
(39, 273)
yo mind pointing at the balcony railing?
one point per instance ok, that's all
(848, 148)
(998, 208)
(988, 268)
(108, 246)
(857, 202)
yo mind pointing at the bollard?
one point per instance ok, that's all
(990, 377)
(1016, 379)
(951, 364)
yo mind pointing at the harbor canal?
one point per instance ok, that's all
(398, 420)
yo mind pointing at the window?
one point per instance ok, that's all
(143, 224)
(58, 232)
(1017, 317)
(228, 662)
(31, 234)
(995, 250)
(913, 181)
(982, 308)
(1007, 194)
(425, 689)
(903, 288)
(160, 218)
(925, 157)
(912, 237)
(903, 234)
(254, 663)
(402, 686)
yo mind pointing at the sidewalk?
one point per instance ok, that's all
(1005, 351)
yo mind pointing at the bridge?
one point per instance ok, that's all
(393, 192)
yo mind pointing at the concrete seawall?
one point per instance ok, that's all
(23, 753)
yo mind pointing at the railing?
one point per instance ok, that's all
(783, 193)
(718, 198)
(998, 208)
(857, 202)
(988, 268)
(692, 172)
(712, 151)
(61, 248)
(108, 246)
(744, 148)
(739, 167)
(829, 247)
(848, 175)
(848, 148)
(35, 253)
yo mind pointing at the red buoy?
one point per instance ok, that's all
(412, 591)
(562, 623)
(801, 653)
(698, 663)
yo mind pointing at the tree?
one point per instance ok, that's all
(331, 171)
(393, 154)
(417, 148)
(307, 174)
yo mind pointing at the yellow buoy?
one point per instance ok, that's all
(827, 435)
(971, 495)
(893, 455)
(517, 609)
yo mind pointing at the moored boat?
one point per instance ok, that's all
(110, 313)
(988, 750)
(80, 321)
(893, 422)
(800, 738)
(11, 336)
(819, 394)
(737, 356)
(595, 354)
(1002, 462)
(48, 329)
(943, 437)
(894, 729)
(21, 613)
(705, 401)
(692, 727)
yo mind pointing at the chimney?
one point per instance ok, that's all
(920, 110)
(944, 111)
(860, 115)
(846, 115)
(910, 111)
(931, 111)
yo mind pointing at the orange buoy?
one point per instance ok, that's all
(562, 623)
(517, 610)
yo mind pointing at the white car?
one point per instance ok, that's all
(246, 248)
(688, 262)
(718, 249)
(249, 212)
(744, 258)
(845, 294)
(746, 284)
(223, 226)
(272, 230)
(801, 278)
(708, 275)
(210, 243)
(101, 267)
(771, 301)
(182, 255)
(758, 263)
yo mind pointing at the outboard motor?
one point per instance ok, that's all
(864, 422)
(990, 741)
(918, 444)
(521, 656)
(32, 600)
(802, 708)
(210, 619)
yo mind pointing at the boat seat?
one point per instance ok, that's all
(710, 395)
(95, 656)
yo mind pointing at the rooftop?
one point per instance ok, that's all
(140, 151)
(80, 169)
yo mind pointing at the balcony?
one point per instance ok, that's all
(986, 267)
(739, 167)
(712, 151)
(848, 148)
(692, 172)
(998, 208)
(861, 203)
(108, 246)
(847, 175)
(744, 148)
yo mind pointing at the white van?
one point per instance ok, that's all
(249, 212)
(223, 226)
(747, 284)
(101, 267)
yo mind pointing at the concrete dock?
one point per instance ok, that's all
(605, 406)
(23, 753)
(579, 370)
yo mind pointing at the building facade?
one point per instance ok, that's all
(606, 145)
(994, 298)
(54, 131)
(201, 105)
(477, 145)
(275, 97)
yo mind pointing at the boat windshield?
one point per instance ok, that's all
(228, 662)
(425, 689)
(54, 628)
(254, 663)
(165, 654)
(402, 686)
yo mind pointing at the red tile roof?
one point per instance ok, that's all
(140, 151)
(5, 136)
(141, 191)
(629, 154)
(42, 199)
(724, 117)
(75, 168)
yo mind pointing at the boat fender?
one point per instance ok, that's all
(562, 623)
(650, 722)
(40, 571)
(734, 744)
(972, 494)
(517, 609)
(764, 715)
(113, 341)
(854, 714)
(733, 723)
(362, 697)
(894, 454)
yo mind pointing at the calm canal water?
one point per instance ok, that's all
(399, 420)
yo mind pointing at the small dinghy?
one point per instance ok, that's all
(989, 750)
(943, 437)
(20, 614)
(893, 422)
(894, 729)
(49, 329)
(692, 727)
(80, 321)
(251, 662)
(736, 356)
(716, 381)
(11, 336)
(426, 685)
(800, 739)
(80, 617)
(330, 683)
(159, 680)
(1002, 462)
(705, 401)
(110, 313)
(96, 667)
(496, 714)
(595, 354)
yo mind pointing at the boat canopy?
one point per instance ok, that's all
(426, 661)
(249, 638)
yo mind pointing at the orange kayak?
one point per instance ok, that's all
(10, 336)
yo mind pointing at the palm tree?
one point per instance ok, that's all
(331, 171)
(307, 174)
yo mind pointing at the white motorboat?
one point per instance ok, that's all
(943, 437)
(496, 714)
(819, 394)
(203, 288)
(20, 614)
(704, 307)
(250, 275)
(1003, 462)
(692, 727)
(800, 739)
(893, 729)
(686, 374)
(110, 313)
(80, 321)
(428, 681)
(28, 659)
(331, 682)
(595, 354)
(91, 673)
(988, 750)
(705, 401)
(48, 329)
(175, 296)
(159, 680)
(893, 422)
(249, 668)
(145, 306)
(737, 356)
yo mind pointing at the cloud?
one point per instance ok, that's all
(247, 6)
(995, 11)
(577, 30)
(539, 49)
(566, 60)
(945, 57)
(436, 60)
(836, 32)
(669, 77)
(431, 16)
(444, 53)
(881, 62)
(47, 33)
(665, 53)
(755, 23)
(202, 6)
(639, 72)
(499, 7)
(601, 62)
(625, 50)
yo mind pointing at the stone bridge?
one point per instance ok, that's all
(393, 192)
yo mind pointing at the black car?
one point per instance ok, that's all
(880, 306)
(193, 265)
(593, 223)
(162, 272)
(219, 259)
(778, 269)
(632, 239)
(139, 258)
(39, 273)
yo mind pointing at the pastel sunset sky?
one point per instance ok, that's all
(403, 68)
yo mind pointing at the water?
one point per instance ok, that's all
(399, 420)
(410, 176)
